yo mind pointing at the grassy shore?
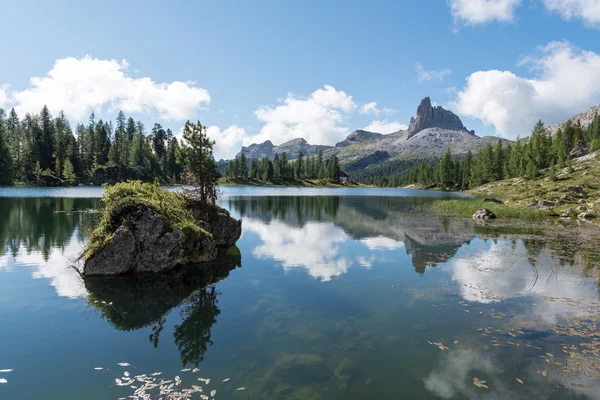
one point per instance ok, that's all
(467, 207)
(572, 191)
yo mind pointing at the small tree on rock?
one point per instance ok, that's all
(201, 168)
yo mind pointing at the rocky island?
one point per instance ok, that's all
(144, 228)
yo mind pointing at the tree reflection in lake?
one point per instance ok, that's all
(138, 301)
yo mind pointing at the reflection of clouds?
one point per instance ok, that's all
(501, 272)
(314, 247)
(381, 243)
(57, 269)
(454, 375)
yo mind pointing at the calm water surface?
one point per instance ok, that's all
(334, 294)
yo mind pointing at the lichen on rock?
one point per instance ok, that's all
(144, 228)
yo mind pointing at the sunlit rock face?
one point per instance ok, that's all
(433, 117)
(144, 242)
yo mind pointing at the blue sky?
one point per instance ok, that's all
(257, 70)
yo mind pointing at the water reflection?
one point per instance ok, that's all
(139, 301)
(46, 234)
(307, 232)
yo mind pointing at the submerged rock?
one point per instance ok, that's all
(483, 214)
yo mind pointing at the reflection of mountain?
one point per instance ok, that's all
(137, 301)
(428, 238)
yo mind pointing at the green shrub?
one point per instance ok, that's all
(123, 198)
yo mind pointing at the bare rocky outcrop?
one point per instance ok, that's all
(145, 242)
(585, 118)
(433, 117)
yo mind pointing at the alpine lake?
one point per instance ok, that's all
(330, 294)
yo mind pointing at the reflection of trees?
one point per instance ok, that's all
(32, 223)
(137, 301)
(295, 210)
(199, 312)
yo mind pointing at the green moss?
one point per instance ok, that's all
(124, 198)
(467, 207)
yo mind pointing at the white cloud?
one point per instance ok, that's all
(228, 142)
(371, 108)
(381, 243)
(567, 82)
(476, 12)
(314, 247)
(81, 85)
(431, 75)
(385, 126)
(317, 118)
(450, 90)
(56, 267)
(587, 10)
(3, 95)
(501, 272)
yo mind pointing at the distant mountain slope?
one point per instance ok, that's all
(429, 134)
(585, 118)
(291, 148)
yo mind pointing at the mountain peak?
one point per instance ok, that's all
(433, 117)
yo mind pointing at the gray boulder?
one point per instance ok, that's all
(575, 188)
(483, 214)
(145, 243)
(225, 230)
(546, 203)
(586, 216)
(492, 200)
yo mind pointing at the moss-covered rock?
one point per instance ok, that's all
(144, 228)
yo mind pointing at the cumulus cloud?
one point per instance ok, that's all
(381, 243)
(314, 247)
(81, 85)
(384, 126)
(586, 10)
(318, 118)
(566, 82)
(372, 109)
(55, 267)
(502, 272)
(424, 75)
(228, 141)
(3, 95)
(477, 12)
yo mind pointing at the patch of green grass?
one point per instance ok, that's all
(467, 207)
(123, 198)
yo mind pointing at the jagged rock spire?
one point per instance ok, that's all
(433, 117)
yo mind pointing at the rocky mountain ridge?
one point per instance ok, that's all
(585, 118)
(429, 134)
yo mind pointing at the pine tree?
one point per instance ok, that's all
(299, 165)
(6, 164)
(445, 169)
(200, 162)
(276, 167)
(45, 142)
(68, 171)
